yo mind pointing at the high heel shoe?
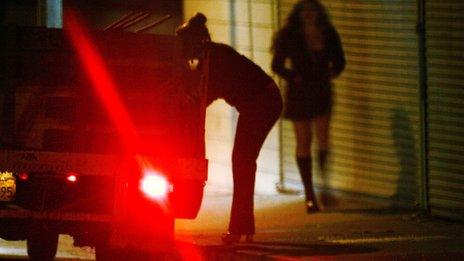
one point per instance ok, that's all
(311, 206)
(229, 238)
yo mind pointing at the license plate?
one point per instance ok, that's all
(7, 186)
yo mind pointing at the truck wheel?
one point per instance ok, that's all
(42, 246)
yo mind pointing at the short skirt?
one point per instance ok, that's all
(307, 102)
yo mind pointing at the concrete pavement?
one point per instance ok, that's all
(353, 229)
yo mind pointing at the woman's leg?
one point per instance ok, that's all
(303, 135)
(322, 124)
(252, 129)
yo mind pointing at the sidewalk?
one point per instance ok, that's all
(350, 231)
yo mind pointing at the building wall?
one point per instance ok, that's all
(445, 107)
(248, 27)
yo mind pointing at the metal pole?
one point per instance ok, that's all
(421, 31)
(250, 30)
(276, 16)
(233, 43)
(233, 32)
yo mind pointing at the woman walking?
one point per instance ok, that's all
(307, 54)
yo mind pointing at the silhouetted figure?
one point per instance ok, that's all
(244, 85)
(308, 54)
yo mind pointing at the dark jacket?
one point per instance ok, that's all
(234, 77)
(310, 66)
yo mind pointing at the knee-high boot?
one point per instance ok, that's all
(305, 168)
(323, 159)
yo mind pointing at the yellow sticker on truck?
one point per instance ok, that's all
(7, 186)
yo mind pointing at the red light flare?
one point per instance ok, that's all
(71, 177)
(154, 185)
(101, 80)
(103, 84)
(189, 251)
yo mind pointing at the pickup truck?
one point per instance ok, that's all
(101, 138)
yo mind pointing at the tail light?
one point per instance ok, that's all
(23, 176)
(71, 177)
(154, 185)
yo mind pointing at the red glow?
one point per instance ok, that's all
(189, 252)
(23, 176)
(106, 90)
(101, 80)
(71, 177)
(154, 185)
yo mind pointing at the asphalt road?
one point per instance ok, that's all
(348, 230)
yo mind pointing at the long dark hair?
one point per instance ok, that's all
(293, 28)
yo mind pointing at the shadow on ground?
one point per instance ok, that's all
(257, 250)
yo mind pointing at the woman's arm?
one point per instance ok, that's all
(278, 66)
(336, 53)
(279, 58)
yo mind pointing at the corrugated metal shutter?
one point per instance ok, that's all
(375, 131)
(445, 54)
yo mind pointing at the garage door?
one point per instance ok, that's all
(375, 131)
